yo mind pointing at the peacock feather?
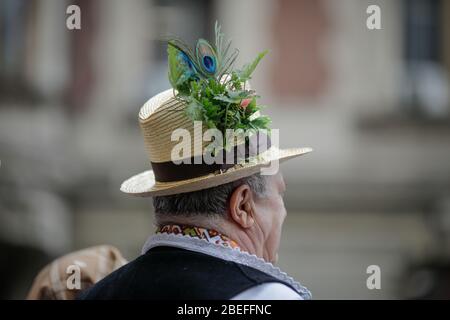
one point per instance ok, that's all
(207, 61)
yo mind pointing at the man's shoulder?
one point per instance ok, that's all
(124, 282)
(165, 272)
(115, 285)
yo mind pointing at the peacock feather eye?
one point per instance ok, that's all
(208, 63)
(206, 57)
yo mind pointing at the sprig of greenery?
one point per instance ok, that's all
(247, 70)
(219, 104)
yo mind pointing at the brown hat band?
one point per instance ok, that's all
(196, 167)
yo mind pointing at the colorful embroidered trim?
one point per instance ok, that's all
(212, 236)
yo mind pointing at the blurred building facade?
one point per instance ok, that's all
(374, 105)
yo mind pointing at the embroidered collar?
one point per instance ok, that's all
(221, 251)
(209, 235)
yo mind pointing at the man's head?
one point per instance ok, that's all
(250, 211)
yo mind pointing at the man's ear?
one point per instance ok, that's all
(242, 206)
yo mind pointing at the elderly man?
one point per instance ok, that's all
(218, 224)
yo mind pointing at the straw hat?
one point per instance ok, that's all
(158, 118)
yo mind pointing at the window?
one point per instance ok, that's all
(426, 84)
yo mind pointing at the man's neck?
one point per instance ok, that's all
(246, 241)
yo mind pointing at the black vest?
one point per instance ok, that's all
(173, 273)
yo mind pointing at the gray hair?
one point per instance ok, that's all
(207, 202)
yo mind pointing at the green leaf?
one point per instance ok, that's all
(194, 111)
(261, 122)
(248, 69)
(239, 94)
(211, 124)
(227, 99)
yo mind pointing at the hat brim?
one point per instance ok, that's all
(145, 185)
